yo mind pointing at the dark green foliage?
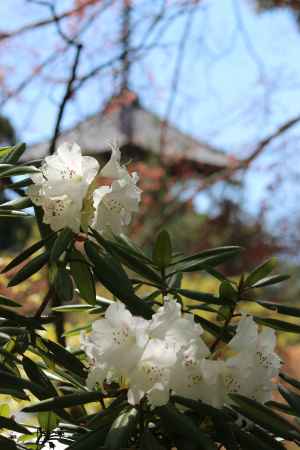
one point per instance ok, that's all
(52, 379)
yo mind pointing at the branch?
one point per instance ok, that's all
(42, 23)
(66, 98)
(264, 143)
(225, 174)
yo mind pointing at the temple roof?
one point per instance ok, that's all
(131, 125)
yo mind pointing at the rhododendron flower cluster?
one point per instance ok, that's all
(67, 192)
(167, 355)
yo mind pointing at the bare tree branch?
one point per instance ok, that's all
(224, 175)
(68, 94)
(42, 23)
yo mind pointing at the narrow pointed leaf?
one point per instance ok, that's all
(61, 243)
(18, 203)
(199, 296)
(265, 417)
(83, 277)
(181, 425)
(13, 154)
(269, 281)
(121, 430)
(25, 255)
(279, 325)
(260, 272)
(162, 251)
(31, 268)
(281, 309)
(65, 401)
(65, 358)
(11, 424)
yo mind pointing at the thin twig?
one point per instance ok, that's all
(68, 94)
(224, 175)
(42, 23)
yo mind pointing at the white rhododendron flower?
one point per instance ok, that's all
(166, 355)
(187, 378)
(168, 323)
(66, 191)
(118, 340)
(256, 362)
(152, 374)
(115, 204)
(62, 186)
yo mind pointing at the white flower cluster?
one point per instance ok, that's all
(167, 355)
(66, 191)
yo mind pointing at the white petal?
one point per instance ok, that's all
(246, 334)
(113, 169)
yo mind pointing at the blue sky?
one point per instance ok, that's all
(240, 80)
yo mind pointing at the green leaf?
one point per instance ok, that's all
(48, 421)
(224, 313)
(181, 425)
(279, 325)
(37, 375)
(202, 408)
(18, 203)
(4, 151)
(66, 401)
(114, 278)
(130, 259)
(175, 281)
(19, 184)
(13, 154)
(5, 301)
(8, 444)
(131, 247)
(72, 308)
(265, 417)
(250, 442)
(291, 398)
(4, 410)
(61, 243)
(227, 292)
(13, 214)
(91, 440)
(204, 263)
(290, 380)
(121, 430)
(260, 272)
(281, 309)
(9, 381)
(77, 330)
(282, 407)
(268, 281)
(31, 268)
(267, 439)
(25, 254)
(149, 442)
(214, 329)
(63, 285)
(64, 358)
(11, 424)
(199, 296)
(19, 170)
(83, 277)
(162, 251)
(211, 252)
(14, 318)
